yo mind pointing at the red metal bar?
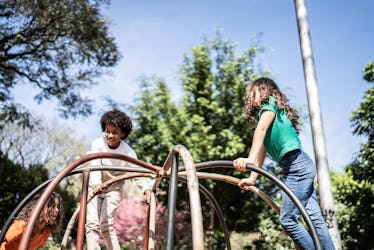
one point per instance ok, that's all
(82, 211)
(60, 176)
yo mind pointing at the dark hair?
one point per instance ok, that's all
(27, 209)
(267, 87)
(118, 119)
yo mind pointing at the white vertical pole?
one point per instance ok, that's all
(323, 175)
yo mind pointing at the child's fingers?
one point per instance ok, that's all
(244, 187)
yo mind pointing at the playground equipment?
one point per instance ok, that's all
(187, 173)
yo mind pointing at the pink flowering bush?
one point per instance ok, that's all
(131, 219)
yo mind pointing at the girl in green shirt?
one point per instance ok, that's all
(276, 134)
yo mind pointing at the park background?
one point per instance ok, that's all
(153, 37)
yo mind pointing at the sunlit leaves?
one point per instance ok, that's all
(58, 47)
(354, 190)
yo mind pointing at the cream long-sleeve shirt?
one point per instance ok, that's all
(98, 177)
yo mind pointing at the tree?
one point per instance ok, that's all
(363, 125)
(57, 47)
(48, 143)
(156, 129)
(355, 189)
(210, 123)
(16, 183)
(29, 157)
(214, 82)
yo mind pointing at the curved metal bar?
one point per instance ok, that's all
(53, 184)
(115, 168)
(210, 164)
(106, 184)
(234, 181)
(150, 239)
(194, 195)
(19, 207)
(293, 197)
(82, 212)
(225, 164)
(219, 177)
(36, 190)
(217, 209)
(70, 226)
(277, 182)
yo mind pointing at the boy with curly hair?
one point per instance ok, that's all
(101, 210)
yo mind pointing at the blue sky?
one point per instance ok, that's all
(154, 35)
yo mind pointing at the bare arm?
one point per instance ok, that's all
(257, 153)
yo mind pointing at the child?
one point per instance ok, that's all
(101, 210)
(277, 134)
(50, 219)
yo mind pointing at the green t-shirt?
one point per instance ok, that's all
(281, 137)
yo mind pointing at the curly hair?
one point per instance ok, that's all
(55, 225)
(266, 88)
(118, 119)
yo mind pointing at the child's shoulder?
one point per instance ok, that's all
(98, 141)
(125, 145)
(18, 226)
(270, 104)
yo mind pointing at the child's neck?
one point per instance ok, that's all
(115, 146)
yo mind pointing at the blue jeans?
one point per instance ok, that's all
(299, 173)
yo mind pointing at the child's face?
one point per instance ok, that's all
(50, 213)
(54, 210)
(113, 136)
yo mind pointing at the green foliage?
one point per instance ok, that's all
(354, 189)
(157, 121)
(210, 123)
(363, 117)
(24, 166)
(214, 82)
(57, 47)
(51, 245)
(355, 199)
(273, 236)
(369, 72)
(16, 183)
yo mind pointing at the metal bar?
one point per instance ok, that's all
(217, 209)
(106, 184)
(234, 181)
(82, 212)
(194, 196)
(281, 185)
(152, 223)
(172, 201)
(19, 207)
(57, 179)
